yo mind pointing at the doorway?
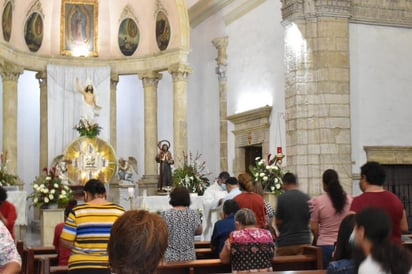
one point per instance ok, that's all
(251, 152)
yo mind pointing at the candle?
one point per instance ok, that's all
(279, 150)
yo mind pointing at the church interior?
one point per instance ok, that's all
(324, 82)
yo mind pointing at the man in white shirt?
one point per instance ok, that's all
(232, 187)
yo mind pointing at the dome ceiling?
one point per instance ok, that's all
(105, 29)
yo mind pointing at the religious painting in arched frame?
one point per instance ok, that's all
(79, 27)
(33, 32)
(6, 21)
(128, 37)
(162, 30)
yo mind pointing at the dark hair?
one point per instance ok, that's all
(334, 189)
(290, 179)
(231, 181)
(179, 196)
(245, 182)
(245, 217)
(230, 207)
(137, 243)
(223, 175)
(94, 186)
(69, 207)
(374, 173)
(3, 194)
(377, 227)
(343, 248)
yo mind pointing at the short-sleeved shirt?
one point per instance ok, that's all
(8, 248)
(88, 226)
(255, 203)
(329, 221)
(251, 249)
(388, 202)
(293, 210)
(182, 225)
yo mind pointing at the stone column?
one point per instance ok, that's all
(180, 73)
(114, 80)
(221, 46)
(10, 74)
(317, 90)
(44, 131)
(150, 81)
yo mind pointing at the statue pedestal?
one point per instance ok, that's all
(49, 218)
(120, 193)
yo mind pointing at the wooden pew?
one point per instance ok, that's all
(311, 260)
(32, 257)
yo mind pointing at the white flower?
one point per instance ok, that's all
(262, 174)
(51, 197)
(277, 186)
(35, 186)
(187, 180)
(46, 200)
(53, 191)
(35, 200)
(257, 158)
(265, 178)
(63, 192)
(55, 185)
(276, 180)
(45, 190)
(272, 188)
(48, 178)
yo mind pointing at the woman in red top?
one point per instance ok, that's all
(249, 199)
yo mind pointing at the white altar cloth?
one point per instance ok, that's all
(18, 199)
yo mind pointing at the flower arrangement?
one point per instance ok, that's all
(6, 179)
(48, 189)
(269, 173)
(192, 174)
(87, 128)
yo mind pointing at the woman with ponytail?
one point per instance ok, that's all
(327, 212)
(372, 234)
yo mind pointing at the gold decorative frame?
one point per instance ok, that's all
(78, 27)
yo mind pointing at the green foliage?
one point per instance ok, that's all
(48, 189)
(86, 128)
(6, 179)
(192, 174)
(269, 174)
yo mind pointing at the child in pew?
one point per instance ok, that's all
(62, 251)
(249, 248)
(224, 227)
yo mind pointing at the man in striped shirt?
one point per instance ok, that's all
(87, 230)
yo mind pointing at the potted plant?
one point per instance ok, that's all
(49, 191)
(191, 173)
(269, 173)
(87, 128)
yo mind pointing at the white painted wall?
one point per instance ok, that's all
(381, 81)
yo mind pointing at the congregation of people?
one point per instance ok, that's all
(359, 234)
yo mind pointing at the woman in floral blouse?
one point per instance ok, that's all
(10, 260)
(248, 248)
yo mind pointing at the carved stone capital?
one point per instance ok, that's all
(150, 78)
(180, 72)
(11, 72)
(114, 80)
(42, 77)
(221, 46)
(301, 9)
